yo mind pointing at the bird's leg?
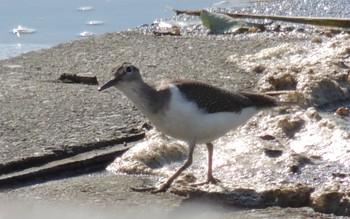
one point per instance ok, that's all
(210, 178)
(167, 184)
(188, 163)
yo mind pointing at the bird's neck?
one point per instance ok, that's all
(145, 97)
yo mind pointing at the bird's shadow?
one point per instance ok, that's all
(228, 199)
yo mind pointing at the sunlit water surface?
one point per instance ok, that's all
(57, 22)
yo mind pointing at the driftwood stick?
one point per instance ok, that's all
(188, 12)
(74, 78)
(320, 21)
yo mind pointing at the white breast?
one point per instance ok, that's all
(184, 120)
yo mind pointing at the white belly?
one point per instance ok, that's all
(183, 120)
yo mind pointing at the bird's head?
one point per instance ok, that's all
(122, 75)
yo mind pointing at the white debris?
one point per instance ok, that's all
(85, 8)
(86, 34)
(94, 22)
(22, 30)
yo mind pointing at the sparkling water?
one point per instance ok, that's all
(56, 22)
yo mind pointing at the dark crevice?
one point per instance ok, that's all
(28, 162)
(86, 158)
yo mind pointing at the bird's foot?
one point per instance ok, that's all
(163, 188)
(146, 189)
(154, 190)
(210, 180)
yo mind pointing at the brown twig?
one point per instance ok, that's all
(73, 78)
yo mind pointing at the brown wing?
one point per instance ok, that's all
(213, 99)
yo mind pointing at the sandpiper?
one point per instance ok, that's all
(191, 111)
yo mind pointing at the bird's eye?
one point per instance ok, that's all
(128, 69)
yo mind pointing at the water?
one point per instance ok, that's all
(316, 8)
(61, 21)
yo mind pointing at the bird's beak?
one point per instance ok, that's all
(109, 84)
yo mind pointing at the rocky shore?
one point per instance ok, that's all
(45, 120)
